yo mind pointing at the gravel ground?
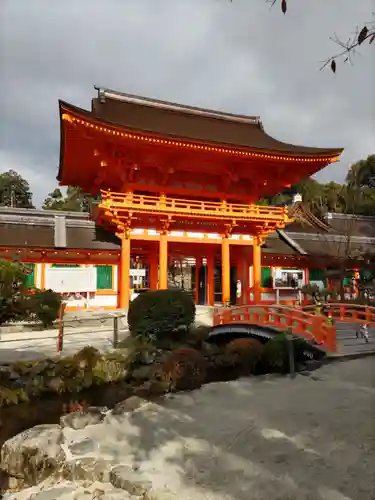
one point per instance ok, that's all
(263, 438)
(311, 438)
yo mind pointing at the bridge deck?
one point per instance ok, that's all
(347, 343)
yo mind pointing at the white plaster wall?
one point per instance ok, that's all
(95, 301)
(268, 296)
(283, 296)
(103, 301)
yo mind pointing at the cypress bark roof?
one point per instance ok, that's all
(189, 122)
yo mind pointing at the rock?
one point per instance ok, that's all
(152, 388)
(119, 450)
(83, 447)
(313, 364)
(122, 410)
(127, 479)
(60, 492)
(160, 494)
(67, 490)
(130, 404)
(87, 469)
(33, 454)
(7, 373)
(81, 419)
(144, 372)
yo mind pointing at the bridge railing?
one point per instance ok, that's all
(351, 313)
(313, 328)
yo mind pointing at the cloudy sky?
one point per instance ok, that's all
(241, 57)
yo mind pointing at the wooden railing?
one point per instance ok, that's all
(167, 204)
(351, 313)
(314, 328)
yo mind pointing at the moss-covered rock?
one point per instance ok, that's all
(72, 374)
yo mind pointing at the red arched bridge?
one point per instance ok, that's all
(319, 329)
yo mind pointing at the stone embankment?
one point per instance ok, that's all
(54, 461)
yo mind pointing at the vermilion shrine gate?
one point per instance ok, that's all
(179, 180)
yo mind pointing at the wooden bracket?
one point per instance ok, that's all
(165, 225)
(259, 240)
(229, 229)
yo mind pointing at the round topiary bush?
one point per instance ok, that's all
(159, 313)
(245, 353)
(185, 369)
(45, 305)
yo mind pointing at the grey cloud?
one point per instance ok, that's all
(239, 56)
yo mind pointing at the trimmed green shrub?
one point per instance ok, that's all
(13, 290)
(44, 305)
(155, 314)
(184, 369)
(276, 352)
(139, 350)
(198, 335)
(244, 353)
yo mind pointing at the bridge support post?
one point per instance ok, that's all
(257, 269)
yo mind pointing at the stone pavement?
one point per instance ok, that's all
(28, 346)
(82, 328)
(261, 438)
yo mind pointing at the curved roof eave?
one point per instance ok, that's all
(296, 152)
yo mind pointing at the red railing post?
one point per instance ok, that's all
(368, 315)
(329, 337)
(60, 333)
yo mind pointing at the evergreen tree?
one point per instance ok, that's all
(15, 191)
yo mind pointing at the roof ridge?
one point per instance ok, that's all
(104, 93)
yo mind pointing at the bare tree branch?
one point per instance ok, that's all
(367, 33)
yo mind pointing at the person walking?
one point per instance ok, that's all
(363, 333)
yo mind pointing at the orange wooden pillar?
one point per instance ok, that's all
(124, 270)
(42, 276)
(257, 270)
(153, 269)
(225, 270)
(210, 286)
(163, 260)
